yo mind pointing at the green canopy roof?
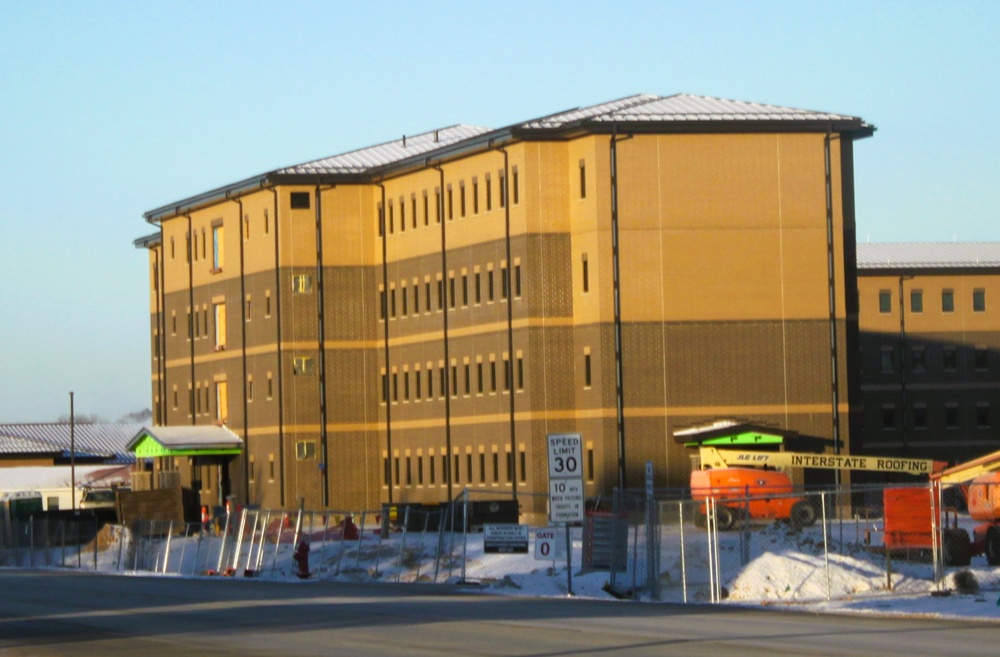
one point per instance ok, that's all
(154, 442)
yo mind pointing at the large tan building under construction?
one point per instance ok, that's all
(408, 320)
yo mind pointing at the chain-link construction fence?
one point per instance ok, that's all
(795, 547)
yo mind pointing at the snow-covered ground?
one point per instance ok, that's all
(779, 575)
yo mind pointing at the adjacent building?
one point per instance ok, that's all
(930, 338)
(405, 321)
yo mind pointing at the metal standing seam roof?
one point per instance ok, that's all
(641, 110)
(106, 441)
(928, 255)
(364, 160)
(685, 108)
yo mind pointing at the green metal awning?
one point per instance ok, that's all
(724, 433)
(156, 442)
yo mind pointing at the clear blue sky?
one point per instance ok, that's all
(109, 109)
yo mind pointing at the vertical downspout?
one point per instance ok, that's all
(383, 303)
(449, 475)
(831, 284)
(321, 317)
(190, 328)
(616, 274)
(281, 388)
(158, 279)
(163, 332)
(510, 321)
(243, 356)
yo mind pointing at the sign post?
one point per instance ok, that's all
(566, 488)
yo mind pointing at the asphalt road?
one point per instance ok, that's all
(46, 613)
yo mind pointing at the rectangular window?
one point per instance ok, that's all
(385, 387)
(468, 381)
(587, 380)
(979, 301)
(590, 463)
(502, 188)
(221, 401)
(493, 376)
(451, 205)
(402, 292)
(270, 467)
(409, 472)
(406, 385)
(305, 450)
(381, 220)
(437, 205)
(514, 183)
(468, 467)
(454, 380)
(427, 296)
(392, 302)
(300, 200)
(504, 282)
(479, 292)
(888, 360)
(247, 308)
(510, 467)
(430, 383)
(465, 290)
(947, 301)
(395, 386)
(884, 301)
(489, 286)
(496, 468)
(475, 196)
(888, 417)
(456, 471)
(217, 248)
(479, 378)
(919, 358)
(461, 198)
(451, 289)
(442, 382)
(302, 283)
(420, 470)
(586, 274)
(506, 374)
(482, 468)
(517, 281)
(396, 463)
(416, 299)
(386, 471)
(981, 358)
(949, 359)
(916, 301)
(524, 469)
(433, 469)
(520, 373)
(583, 179)
(445, 474)
(440, 294)
(270, 386)
(983, 415)
(951, 415)
(249, 388)
(383, 304)
(426, 215)
(402, 214)
(489, 193)
(220, 326)
(418, 382)
(920, 416)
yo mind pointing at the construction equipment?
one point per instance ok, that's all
(748, 483)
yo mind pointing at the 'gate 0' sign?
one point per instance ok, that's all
(565, 456)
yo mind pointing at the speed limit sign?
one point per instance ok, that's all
(565, 456)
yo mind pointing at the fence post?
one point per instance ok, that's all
(402, 544)
(826, 548)
(465, 532)
(684, 577)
